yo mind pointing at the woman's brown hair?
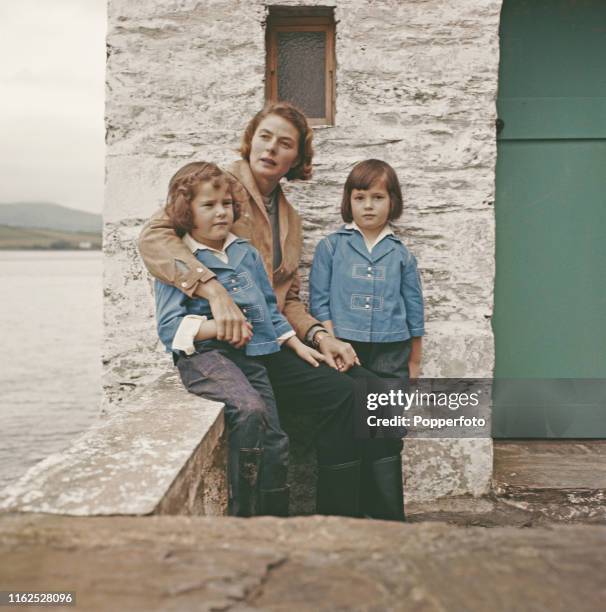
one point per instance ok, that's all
(302, 169)
(182, 190)
(362, 176)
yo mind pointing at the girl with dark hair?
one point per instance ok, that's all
(365, 288)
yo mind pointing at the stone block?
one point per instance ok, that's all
(162, 453)
(447, 466)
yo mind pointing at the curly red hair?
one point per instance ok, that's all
(182, 190)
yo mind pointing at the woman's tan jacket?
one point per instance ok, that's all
(167, 258)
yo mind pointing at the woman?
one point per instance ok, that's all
(277, 143)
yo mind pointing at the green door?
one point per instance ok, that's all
(550, 288)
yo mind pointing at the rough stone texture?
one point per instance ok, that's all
(163, 453)
(305, 564)
(525, 509)
(563, 480)
(183, 78)
(434, 468)
(547, 464)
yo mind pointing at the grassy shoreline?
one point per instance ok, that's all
(25, 238)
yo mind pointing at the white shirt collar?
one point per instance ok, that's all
(386, 231)
(193, 245)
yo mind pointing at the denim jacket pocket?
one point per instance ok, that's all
(255, 314)
(360, 301)
(239, 282)
(367, 271)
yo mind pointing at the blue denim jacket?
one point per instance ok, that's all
(369, 297)
(246, 280)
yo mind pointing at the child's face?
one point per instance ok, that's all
(213, 212)
(370, 207)
(274, 148)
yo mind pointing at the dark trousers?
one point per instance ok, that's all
(385, 360)
(224, 374)
(322, 392)
(331, 397)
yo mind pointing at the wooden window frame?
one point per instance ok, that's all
(302, 24)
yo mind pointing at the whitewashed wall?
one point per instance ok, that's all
(416, 86)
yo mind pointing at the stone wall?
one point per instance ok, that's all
(416, 86)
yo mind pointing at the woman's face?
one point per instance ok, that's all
(274, 149)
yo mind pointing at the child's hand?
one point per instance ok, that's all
(306, 353)
(416, 355)
(246, 333)
(414, 369)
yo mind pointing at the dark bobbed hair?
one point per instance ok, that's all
(362, 176)
(302, 169)
(182, 189)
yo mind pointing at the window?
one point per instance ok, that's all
(301, 61)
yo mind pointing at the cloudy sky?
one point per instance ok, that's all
(52, 62)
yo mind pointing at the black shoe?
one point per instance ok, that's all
(339, 489)
(274, 502)
(382, 491)
(244, 502)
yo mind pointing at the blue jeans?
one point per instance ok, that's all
(222, 373)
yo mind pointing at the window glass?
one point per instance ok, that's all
(301, 70)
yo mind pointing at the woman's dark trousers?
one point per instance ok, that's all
(329, 396)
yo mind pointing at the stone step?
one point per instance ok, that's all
(563, 480)
(563, 465)
(318, 564)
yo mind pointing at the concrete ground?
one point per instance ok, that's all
(535, 483)
(303, 564)
(538, 542)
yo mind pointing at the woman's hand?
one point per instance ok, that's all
(337, 354)
(306, 353)
(232, 325)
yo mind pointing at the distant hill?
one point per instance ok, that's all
(46, 215)
(16, 238)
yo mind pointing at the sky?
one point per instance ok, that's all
(52, 80)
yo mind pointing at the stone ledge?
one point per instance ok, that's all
(554, 465)
(163, 453)
(315, 564)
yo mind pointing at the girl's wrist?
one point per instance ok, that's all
(292, 341)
